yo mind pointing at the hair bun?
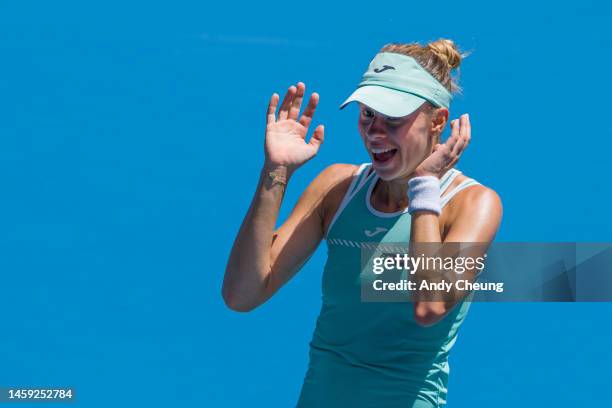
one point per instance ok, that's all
(439, 58)
(447, 51)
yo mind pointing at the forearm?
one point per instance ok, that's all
(426, 240)
(248, 267)
(425, 229)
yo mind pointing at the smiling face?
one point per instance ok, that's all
(398, 145)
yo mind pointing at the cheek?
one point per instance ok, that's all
(361, 127)
(412, 146)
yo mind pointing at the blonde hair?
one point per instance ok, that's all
(438, 57)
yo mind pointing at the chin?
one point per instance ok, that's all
(387, 173)
(391, 171)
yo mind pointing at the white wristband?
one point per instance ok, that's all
(424, 194)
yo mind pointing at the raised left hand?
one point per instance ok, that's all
(446, 155)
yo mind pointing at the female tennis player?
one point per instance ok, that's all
(368, 354)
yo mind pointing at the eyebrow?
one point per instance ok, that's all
(364, 107)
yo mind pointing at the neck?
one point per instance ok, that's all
(391, 195)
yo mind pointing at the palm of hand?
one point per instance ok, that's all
(286, 143)
(445, 156)
(286, 134)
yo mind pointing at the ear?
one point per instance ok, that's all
(439, 117)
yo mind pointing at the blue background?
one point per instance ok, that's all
(131, 138)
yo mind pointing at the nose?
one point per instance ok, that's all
(376, 128)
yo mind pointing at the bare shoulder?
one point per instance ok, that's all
(329, 178)
(477, 195)
(474, 207)
(332, 184)
(325, 187)
(481, 197)
(337, 172)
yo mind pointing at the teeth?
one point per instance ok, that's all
(380, 150)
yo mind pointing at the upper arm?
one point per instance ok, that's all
(478, 216)
(299, 236)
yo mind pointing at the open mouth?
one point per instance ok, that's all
(382, 156)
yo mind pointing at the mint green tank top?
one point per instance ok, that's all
(374, 354)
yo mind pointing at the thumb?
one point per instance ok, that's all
(317, 137)
(436, 148)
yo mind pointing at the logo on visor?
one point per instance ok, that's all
(384, 68)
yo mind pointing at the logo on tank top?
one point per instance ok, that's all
(377, 231)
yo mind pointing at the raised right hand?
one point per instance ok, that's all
(286, 136)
